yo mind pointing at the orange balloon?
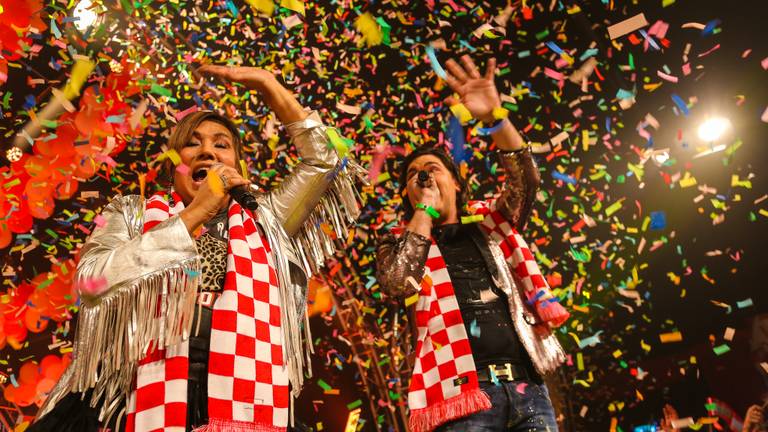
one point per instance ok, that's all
(33, 321)
(86, 168)
(5, 235)
(37, 166)
(38, 188)
(52, 366)
(65, 188)
(26, 394)
(9, 393)
(29, 373)
(45, 386)
(43, 208)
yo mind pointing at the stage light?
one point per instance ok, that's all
(86, 15)
(14, 154)
(713, 128)
(659, 157)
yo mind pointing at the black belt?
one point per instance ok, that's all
(503, 372)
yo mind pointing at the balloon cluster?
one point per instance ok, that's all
(35, 380)
(32, 305)
(74, 150)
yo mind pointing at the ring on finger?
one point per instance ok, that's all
(224, 179)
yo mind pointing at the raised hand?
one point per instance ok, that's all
(477, 92)
(278, 98)
(252, 77)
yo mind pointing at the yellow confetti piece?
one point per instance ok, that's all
(294, 5)
(411, 300)
(613, 208)
(266, 7)
(645, 346)
(243, 169)
(687, 181)
(338, 143)
(617, 354)
(580, 361)
(500, 113)
(462, 113)
(216, 185)
(472, 219)
(367, 25)
(80, 71)
(172, 155)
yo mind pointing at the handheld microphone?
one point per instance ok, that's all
(243, 195)
(422, 178)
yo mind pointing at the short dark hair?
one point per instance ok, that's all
(447, 161)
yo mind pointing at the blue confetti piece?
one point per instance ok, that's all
(562, 177)
(650, 40)
(588, 53)
(710, 27)
(474, 329)
(435, 64)
(29, 101)
(116, 119)
(680, 104)
(624, 94)
(658, 220)
(455, 134)
(553, 46)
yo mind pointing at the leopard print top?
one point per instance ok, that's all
(213, 262)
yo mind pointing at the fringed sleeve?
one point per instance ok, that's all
(318, 201)
(136, 289)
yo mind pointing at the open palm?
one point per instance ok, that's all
(476, 92)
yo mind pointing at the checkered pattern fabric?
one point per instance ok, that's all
(444, 384)
(247, 380)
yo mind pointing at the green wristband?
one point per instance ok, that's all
(434, 214)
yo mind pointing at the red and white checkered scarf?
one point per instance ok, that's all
(444, 385)
(247, 378)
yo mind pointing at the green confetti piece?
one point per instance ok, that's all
(324, 385)
(354, 404)
(160, 90)
(722, 349)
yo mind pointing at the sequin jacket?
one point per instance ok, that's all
(117, 324)
(402, 257)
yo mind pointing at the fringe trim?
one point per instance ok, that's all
(337, 209)
(117, 332)
(552, 312)
(466, 403)
(221, 425)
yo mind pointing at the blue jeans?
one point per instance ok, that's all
(511, 410)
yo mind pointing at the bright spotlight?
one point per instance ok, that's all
(86, 15)
(713, 128)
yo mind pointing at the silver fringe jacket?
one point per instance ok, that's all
(158, 271)
(403, 257)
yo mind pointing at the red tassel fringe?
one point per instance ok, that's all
(466, 403)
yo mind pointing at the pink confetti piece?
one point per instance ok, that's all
(670, 78)
(92, 286)
(521, 387)
(553, 74)
(764, 63)
(99, 220)
(764, 117)
(186, 112)
(182, 169)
